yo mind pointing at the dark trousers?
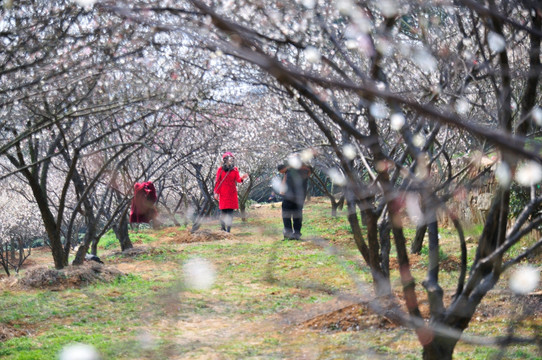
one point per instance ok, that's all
(292, 217)
(226, 219)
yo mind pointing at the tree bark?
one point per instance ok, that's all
(417, 242)
(121, 231)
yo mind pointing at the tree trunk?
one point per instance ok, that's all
(417, 242)
(441, 348)
(334, 206)
(121, 231)
(4, 259)
(90, 235)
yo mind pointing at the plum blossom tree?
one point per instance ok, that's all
(386, 78)
(19, 226)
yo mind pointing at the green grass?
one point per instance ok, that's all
(263, 288)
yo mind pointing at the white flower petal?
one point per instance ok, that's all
(378, 110)
(312, 54)
(199, 274)
(397, 121)
(79, 352)
(496, 42)
(524, 280)
(537, 115)
(503, 174)
(529, 174)
(349, 151)
(337, 177)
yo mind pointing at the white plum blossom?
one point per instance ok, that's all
(278, 186)
(413, 209)
(418, 140)
(79, 352)
(312, 54)
(389, 8)
(199, 274)
(378, 110)
(537, 115)
(496, 42)
(349, 151)
(336, 177)
(397, 121)
(529, 174)
(306, 155)
(309, 4)
(503, 174)
(295, 161)
(524, 279)
(462, 106)
(384, 47)
(87, 4)
(345, 7)
(424, 60)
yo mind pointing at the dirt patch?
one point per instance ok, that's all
(451, 263)
(350, 318)
(69, 277)
(176, 236)
(7, 332)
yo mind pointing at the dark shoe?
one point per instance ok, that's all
(228, 229)
(296, 236)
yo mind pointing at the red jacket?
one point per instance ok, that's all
(143, 209)
(226, 188)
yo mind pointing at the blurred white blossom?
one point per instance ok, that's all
(496, 42)
(424, 60)
(312, 54)
(462, 106)
(79, 352)
(309, 4)
(503, 174)
(413, 209)
(524, 279)
(345, 7)
(87, 4)
(278, 186)
(389, 8)
(295, 161)
(336, 177)
(418, 140)
(537, 115)
(349, 151)
(306, 155)
(397, 121)
(199, 274)
(378, 110)
(384, 47)
(529, 174)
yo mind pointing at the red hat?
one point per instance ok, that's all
(227, 154)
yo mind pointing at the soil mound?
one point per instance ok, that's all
(69, 277)
(350, 318)
(185, 236)
(7, 332)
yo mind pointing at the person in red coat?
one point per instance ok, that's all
(227, 177)
(143, 210)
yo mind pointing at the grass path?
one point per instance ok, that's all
(265, 294)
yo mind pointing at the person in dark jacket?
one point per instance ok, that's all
(294, 190)
(227, 177)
